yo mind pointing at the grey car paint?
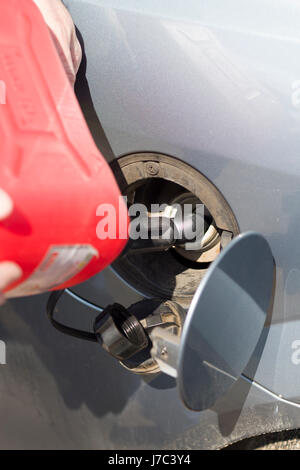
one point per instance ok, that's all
(215, 84)
(60, 393)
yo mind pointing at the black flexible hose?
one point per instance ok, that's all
(66, 330)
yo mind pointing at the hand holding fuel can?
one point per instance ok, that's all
(52, 176)
(64, 37)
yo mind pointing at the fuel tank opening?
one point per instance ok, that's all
(152, 178)
(167, 270)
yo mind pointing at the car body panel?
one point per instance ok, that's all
(217, 86)
(61, 393)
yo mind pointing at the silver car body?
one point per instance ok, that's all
(216, 85)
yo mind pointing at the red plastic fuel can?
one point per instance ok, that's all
(50, 165)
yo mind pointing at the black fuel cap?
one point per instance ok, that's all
(225, 321)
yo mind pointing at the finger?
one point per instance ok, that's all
(6, 205)
(9, 272)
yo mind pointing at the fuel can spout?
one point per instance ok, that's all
(160, 233)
